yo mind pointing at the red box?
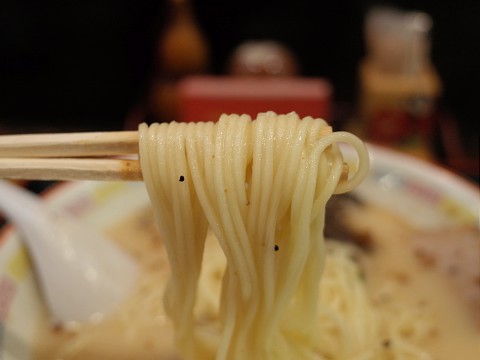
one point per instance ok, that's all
(205, 98)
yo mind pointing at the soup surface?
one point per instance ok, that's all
(409, 297)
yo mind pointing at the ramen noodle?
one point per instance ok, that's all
(240, 259)
(261, 186)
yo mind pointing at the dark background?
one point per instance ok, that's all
(84, 65)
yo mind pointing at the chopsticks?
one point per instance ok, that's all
(69, 144)
(105, 156)
(71, 156)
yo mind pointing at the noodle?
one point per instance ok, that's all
(240, 208)
(261, 186)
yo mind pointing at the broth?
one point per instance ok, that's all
(394, 277)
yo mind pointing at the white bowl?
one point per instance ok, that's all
(424, 194)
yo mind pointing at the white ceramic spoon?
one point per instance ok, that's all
(82, 274)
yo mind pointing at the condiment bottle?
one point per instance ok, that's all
(182, 50)
(399, 86)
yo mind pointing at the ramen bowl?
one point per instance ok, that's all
(422, 194)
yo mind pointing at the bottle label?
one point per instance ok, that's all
(399, 125)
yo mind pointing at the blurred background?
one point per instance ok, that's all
(405, 77)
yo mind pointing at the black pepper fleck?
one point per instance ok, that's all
(182, 178)
(276, 247)
(386, 343)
